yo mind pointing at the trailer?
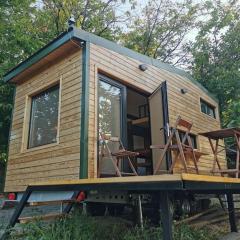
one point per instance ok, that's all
(80, 85)
(160, 188)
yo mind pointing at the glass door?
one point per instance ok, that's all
(111, 120)
(159, 120)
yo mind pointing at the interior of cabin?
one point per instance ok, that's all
(140, 121)
(138, 130)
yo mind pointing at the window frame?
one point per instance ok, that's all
(27, 117)
(209, 106)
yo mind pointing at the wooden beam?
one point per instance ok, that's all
(135, 179)
(42, 217)
(207, 178)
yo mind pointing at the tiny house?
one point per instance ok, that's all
(79, 85)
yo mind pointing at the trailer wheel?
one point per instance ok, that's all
(95, 209)
(186, 207)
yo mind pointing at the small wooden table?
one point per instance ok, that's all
(222, 134)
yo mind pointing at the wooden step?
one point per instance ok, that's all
(55, 202)
(41, 217)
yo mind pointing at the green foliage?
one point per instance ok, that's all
(18, 40)
(97, 16)
(27, 25)
(88, 228)
(216, 58)
(5, 118)
(161, 28)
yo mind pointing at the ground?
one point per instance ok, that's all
(80, 227)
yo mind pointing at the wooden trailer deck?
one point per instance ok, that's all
(184, 181)
(160, 185)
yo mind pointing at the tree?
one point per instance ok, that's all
(97, 16)
(216, 57)
(27, 25)
(161, 29)
(17, 42)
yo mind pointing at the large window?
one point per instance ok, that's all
(44, 118)
(207, 108)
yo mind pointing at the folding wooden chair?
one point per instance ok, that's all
(119, 155)
(183, 147)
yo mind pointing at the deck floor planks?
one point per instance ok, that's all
(141, 179)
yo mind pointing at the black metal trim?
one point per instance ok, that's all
(166, 120)
(20, 207)
(231, 213)
(83, 173)
(123, 92)
(135, 186)
(211, 187)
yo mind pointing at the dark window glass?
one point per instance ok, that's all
(207, 108)
(192, 137)
(44, 118)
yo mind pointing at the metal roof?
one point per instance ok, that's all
(75, 33)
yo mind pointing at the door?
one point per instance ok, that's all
(159, 119)
(111, 118)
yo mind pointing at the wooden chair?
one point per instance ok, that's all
(119, 155)
(182, 147)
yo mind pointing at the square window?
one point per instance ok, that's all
(43, 126)
(207, 108)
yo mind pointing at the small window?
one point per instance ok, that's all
(44, 118)
(207, 108)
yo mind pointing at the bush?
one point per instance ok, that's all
(79, 227)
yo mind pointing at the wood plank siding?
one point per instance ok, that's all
(125, 70)
(60, 160)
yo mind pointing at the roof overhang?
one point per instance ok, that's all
(80, 35)
(43, 52)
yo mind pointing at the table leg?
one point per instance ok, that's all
(237, 138)
(215, 152)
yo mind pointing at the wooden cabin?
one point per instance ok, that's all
(80, 84)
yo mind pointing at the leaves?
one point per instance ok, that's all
(161, 28)
(216, 58)
(27, 25)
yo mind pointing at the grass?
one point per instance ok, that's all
(79, 227)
